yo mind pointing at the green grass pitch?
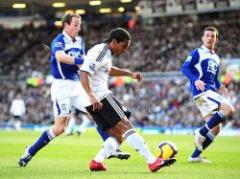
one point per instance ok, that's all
(68, 157)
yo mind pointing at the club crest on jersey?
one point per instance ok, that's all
(58, 44)
(212, 66)
(92, 67)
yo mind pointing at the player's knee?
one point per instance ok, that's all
(57, 130)
(115, 132)
(227, 109)
(122, 126)
(126, 124)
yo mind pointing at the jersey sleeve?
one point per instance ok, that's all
(189, 63)
(217, 81)
(57, 45)
(90, 64)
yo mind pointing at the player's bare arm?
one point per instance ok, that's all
(65, 58)
(115, 71)
(97, 105)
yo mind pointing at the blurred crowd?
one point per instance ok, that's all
(37, 102)
(159, 45)
(168, 103)
(163, 102)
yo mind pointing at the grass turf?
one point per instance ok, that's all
(68, 157)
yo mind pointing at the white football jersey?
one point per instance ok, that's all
(98, 63)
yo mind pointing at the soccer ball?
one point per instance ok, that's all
(166, 150)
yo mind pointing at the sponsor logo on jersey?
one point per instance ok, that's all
(74, 54)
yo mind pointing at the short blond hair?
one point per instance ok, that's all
(210, 28)
(67, 18)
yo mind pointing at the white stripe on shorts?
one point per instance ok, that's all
(115, 106)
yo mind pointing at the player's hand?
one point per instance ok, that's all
(224, 91)
(138, 76)
(200, 85)
(97, 105)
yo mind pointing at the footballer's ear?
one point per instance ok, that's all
(114, 41)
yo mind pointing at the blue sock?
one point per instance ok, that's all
(217, 118)
(196, 153)
(208, 140)
(43, 140)
(103, 134)
(206, 143)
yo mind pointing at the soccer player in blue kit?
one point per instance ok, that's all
(202, 68)
(67, 51)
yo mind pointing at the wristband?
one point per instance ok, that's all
(78, 61)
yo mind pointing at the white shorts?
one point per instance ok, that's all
(209, 101)
(67, 95)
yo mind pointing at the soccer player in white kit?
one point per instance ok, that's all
(202, 68)
(108, 113)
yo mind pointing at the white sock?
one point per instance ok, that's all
(110, 145)
(211, 135)
(138, 144)
(51, 134)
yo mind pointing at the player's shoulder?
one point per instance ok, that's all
(59, 37)
(99, 48)
(194, 53)
(58, 40)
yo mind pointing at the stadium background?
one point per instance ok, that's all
(164, 32)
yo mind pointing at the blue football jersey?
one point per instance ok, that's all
(73, 47)
(202, 64)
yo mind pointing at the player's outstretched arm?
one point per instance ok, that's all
(65, 58)
(115, 71)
